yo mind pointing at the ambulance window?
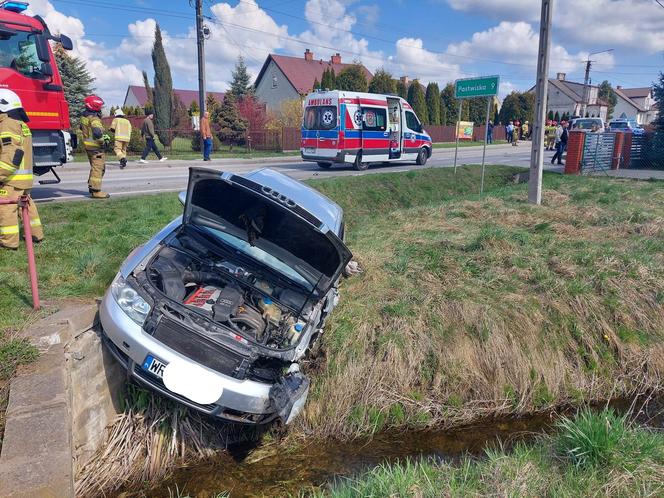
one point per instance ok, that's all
(310, 118)
(375, 120)
(327, 117)
(19, 52)
(412, 122)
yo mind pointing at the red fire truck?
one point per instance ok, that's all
(27, 67)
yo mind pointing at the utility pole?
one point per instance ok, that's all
(537, 153)
(201, 60)
(586, 83)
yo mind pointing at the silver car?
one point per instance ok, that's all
(219, 307)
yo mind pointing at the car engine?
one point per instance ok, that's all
(228, 295)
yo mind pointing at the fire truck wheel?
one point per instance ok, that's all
(422, 157)
(324, 165)
(358, 164)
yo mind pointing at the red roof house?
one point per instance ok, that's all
(137, 96)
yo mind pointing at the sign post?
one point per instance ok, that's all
(484, 86)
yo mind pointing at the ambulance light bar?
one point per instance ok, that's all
(13, 6)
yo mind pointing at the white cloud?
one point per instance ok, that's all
(630, 24)
(413, 60)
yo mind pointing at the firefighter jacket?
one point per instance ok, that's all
(15, 153)
(122, 129)
(93, 131)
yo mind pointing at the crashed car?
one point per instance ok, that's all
(218, 309)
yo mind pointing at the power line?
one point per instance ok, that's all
(659, 3)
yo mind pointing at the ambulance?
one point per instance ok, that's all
(342, 127)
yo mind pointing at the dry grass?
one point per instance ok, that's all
(483, 307)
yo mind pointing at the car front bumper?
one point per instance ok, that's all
(243, 401)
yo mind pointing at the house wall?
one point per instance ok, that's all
(623, 106)
(559, 102)
(274, 88)
(130, 100)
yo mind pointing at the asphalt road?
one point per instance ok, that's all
(171, 176)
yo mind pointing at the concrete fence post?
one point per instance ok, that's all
(575, 143)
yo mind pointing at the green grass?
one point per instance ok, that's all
(627, 461)
(452, 145)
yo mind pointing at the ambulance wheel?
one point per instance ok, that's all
(358, 164)
(324, 165)
(422, 157)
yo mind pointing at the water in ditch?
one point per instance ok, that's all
(276, 470)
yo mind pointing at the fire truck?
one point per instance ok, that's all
(28, 67)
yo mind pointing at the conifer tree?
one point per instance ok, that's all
(76, 81)
(352, 79)
(240, 85)
(230, 126)
(433, 103)
(417, 101)
(328, 81)
(163, 89)
(382, 82)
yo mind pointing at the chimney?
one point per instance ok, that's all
(619, 87)
(335, 59)
(308, 55)
(405, 80)
(561, 76)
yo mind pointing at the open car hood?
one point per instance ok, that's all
(260, 215)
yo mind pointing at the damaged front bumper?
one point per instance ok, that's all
(241, 401)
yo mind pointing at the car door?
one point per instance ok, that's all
(411, 130)
(328, 131)
(375, 134)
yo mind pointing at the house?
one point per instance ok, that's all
(137, 96)
(566, 97)
(635, 103)
(284, 77)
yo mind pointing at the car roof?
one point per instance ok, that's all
(321, 206)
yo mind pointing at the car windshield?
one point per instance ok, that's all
(258, 254)
(587, 124)
(19, 52)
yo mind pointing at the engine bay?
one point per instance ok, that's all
(254, 308)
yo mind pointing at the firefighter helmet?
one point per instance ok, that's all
(11, 103)
(93, 103)
(118, 112)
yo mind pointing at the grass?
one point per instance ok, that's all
(627, 461)
(452, 145)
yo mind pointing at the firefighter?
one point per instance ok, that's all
(121, 127)
(15, 169)
(550, 134)
(94, 141)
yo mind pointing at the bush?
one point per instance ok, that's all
(136, 141)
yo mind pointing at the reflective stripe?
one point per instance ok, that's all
(9, 134)
(26, 130)
(7, 166)
(9, 230)
(17, 177)
(35, 223)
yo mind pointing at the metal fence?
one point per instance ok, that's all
(646, 151)
(597, 153)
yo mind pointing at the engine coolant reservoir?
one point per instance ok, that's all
(270, 310)
(295, 332)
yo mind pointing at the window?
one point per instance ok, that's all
(412, 122)
(274, 80)
(19, 52)
(320, 118)
(375, 120)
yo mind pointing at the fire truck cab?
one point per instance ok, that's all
(28, 67)
(361, 128)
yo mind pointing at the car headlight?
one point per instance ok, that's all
(129, 300)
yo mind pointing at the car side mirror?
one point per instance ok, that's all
(41, 45)
(66, 42)
(182, 197)
(47, 69)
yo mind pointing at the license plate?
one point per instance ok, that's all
(154, 366)
(309, 150)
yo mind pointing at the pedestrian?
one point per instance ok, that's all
(121, 127)
(147, 132)
(15, 170)
(561, 142)
(489, 133)
(94, 142)
(206, 134)
(510, 132)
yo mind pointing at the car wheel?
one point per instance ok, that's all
(422, 157)
(358, 164)
(324, 165)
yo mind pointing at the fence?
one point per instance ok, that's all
(589, 153)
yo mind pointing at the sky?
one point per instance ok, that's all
(433, 40)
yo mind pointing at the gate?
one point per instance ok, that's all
(597, 153)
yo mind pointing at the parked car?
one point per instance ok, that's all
(218, 308)
(626, 125)
(594, 125)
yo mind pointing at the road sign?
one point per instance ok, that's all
(485, 86)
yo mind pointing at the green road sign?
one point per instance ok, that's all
(485, 86)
